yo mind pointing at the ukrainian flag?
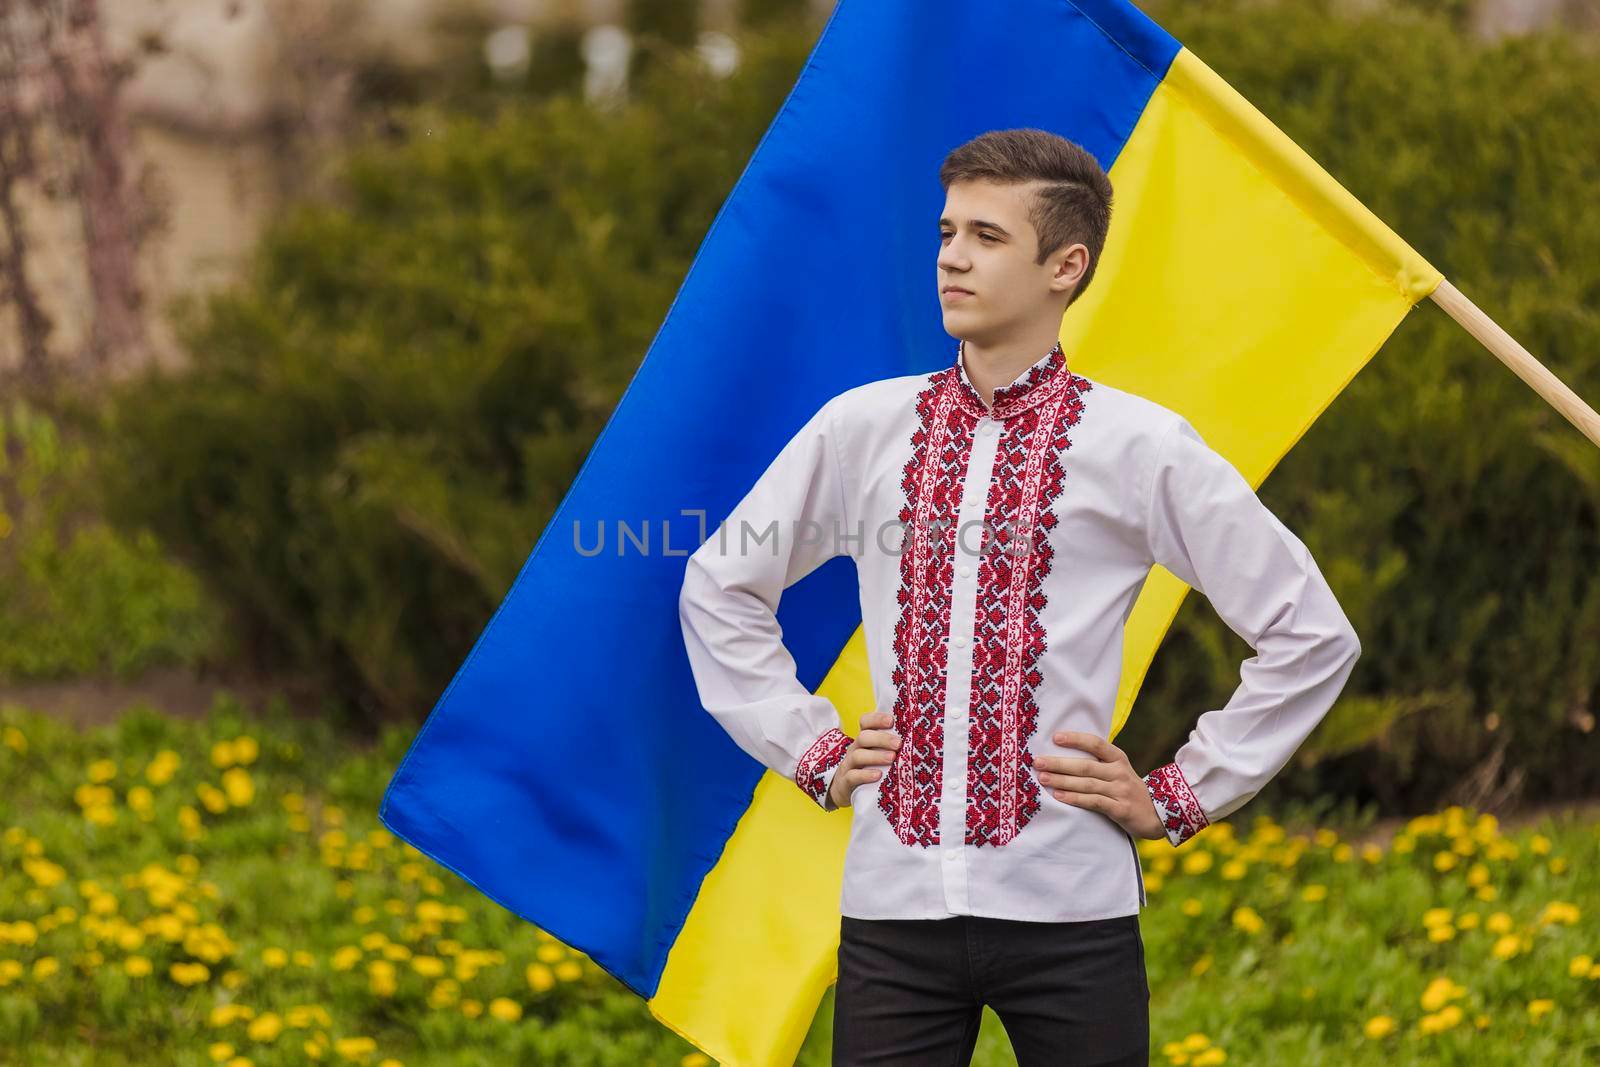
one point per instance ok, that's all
(569, 771)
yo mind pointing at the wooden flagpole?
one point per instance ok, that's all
(1519, 359)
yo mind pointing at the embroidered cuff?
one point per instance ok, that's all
(1175, 803)
(814, 773)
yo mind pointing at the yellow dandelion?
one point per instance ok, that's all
(1498, 923)
(381, 978)
(1444, 861)
(45, 966)
(212, 799)
(569, 970)
(428, 966)
(1437, 917)
(137, 966)
(471, 1008)
(355, 1048)
(1539, 845)
(444, 993)
(1538, 1009)
(189, 973)
(1485, 892)
(1314, 893)
(102, 770)
(238, 786)
(1195, 1042)
(1371, 853)
(15, 740)
(245, 749)
(1209, 1057)
(1247, 919)
(1379, 1027)
(1506, 947)
(1437, 934)
(1580, 966)
(1201, 966)
(220, 1051)
(1480, 1021)
(505, 1009)
(1440, 991)
(1559, 911)
(1192, 907)
(222, 754)
(274, 957)
(1198, 862)
(540, 979)
(695, 1059)
(1468, 920)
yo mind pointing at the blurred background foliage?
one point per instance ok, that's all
(377, 421)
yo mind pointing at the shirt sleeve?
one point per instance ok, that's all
(790, 522)
(1207, 526)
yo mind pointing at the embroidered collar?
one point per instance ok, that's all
(1026, 390)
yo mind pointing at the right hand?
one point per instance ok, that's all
(873, 749)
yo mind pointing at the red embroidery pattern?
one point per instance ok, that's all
(931, 481)
(1008, 638)
(823, 755)
(1037, 411)
(1175, 802)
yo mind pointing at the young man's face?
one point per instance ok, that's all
(987, 247)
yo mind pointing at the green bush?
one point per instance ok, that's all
(76, 596)
(1455, 513)
(381, 418)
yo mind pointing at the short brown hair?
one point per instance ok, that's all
(1074, 206)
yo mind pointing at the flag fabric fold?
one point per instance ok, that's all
(568, 771)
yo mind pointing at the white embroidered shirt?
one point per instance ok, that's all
(999, 550)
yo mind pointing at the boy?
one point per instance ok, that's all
(1003, 514)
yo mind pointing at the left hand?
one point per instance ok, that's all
(1106, 783)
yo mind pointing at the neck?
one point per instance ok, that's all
(998, 365)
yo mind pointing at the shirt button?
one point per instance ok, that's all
(960, 642)
(951, 857)
(964, 570)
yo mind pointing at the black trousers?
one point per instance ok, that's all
(911, 992)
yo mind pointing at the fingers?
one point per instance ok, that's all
(1077, 784)
(1087, 768)
(1093, 744)
(863, 775)
(877, 731)
(869, 757)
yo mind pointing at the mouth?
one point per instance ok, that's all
(955, 292)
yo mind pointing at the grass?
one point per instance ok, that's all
(220, 891)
